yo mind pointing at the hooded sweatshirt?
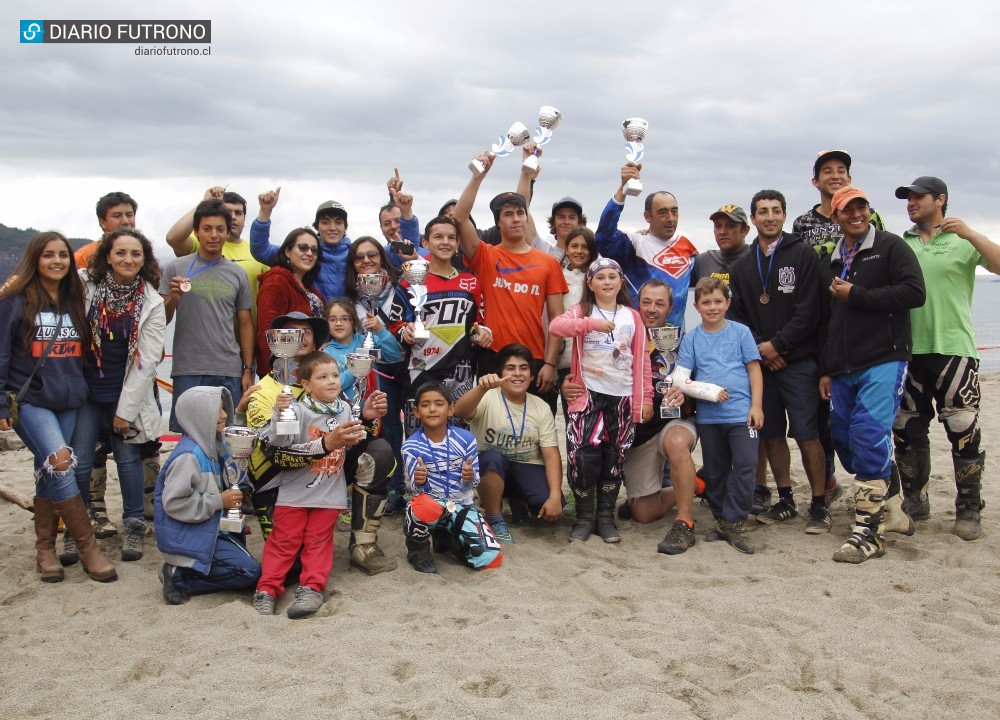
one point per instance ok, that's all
(187, 502)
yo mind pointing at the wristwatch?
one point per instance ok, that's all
(248, 367)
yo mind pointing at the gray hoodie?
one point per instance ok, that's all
(191, 491)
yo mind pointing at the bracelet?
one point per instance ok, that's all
(247, 367)
(548, 363)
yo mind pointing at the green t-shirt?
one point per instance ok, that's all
(944, 324)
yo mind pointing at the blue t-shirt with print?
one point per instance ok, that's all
(721, 358)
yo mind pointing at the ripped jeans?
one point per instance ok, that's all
(45, 432)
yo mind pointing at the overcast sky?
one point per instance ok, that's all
(325, 99)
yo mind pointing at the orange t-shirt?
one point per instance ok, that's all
(515, 286)
(83, 255)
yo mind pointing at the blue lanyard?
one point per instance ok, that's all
(611, 335)
(524, 416)
(764, 279)
(190, 274)
(848, 256)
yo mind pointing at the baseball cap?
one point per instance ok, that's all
(331, 207)
(506, 198)
(733, 212)
(845, 195)
(921, 186)
(827, 155)
(567, 202)
(320, 327)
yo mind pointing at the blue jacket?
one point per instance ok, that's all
(330, 279)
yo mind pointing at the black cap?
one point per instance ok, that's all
(567, 202)
(921, 186)
(506, 198)
(828, 155)
(320, 327)
(331, 208)
(450, 203)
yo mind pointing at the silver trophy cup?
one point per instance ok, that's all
(415, 272)
(285, 344)
(240, 441)
(360, 365)
(548, 119)
(516, 136)
(634, 130)
(370, 287)
(666, 339)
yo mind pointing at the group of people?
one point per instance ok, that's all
(837, 334)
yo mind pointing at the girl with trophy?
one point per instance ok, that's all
(611, 360)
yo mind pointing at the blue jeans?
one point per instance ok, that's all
(45, 432)
(233, 568)
(183, 383)
(91, 419)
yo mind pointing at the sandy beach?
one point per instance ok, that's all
(581, 631)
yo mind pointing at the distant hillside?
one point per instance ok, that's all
(13, 241)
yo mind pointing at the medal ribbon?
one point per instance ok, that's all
(765, 278)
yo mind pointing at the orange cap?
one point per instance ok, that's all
(845, 195)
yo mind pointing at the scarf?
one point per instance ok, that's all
(112, 302)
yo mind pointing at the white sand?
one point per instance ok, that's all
(585, 630)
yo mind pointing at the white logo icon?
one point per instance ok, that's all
(33, 29)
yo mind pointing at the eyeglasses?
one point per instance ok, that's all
(307, 249)
(339, 320)
(371, 255)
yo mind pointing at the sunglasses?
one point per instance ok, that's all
(371, 255)
(307, 249)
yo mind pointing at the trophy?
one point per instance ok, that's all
(360, 365)
(415, 272)
(285, 344)
(666, 339)
(240, 441)
(634, 130)
(370, 287)
(548, 119)
(505, 144)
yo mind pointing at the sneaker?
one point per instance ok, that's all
(917, 506)
(519, 513)
(819, 521)
(344, 522)
(736, 535)
(307, 601)
(69, 555)
(133, 538)
(679, 539)
(171, 594)
(501, 531)
(833, 490)
(569, 508)
(394, 505)
(263, 603)
(779, 512)
(761, 499)
(625, 511)
(967, 523)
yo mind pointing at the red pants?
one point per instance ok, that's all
(309, 530)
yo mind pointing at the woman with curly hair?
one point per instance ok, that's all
(127, 322)
(43, 335)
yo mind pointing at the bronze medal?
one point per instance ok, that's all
(185, 285)
(764, 298)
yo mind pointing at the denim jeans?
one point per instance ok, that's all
(91, 419)
(183, 383)
(233, 568)
(45, 432)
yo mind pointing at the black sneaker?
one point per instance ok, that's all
(779, 512)
(171, 594)
(761, 499)
(819, 521)
(736, 535)
(679, 539)
(625, 511)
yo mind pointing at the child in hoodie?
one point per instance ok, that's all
(310, 498)
(192, 491)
